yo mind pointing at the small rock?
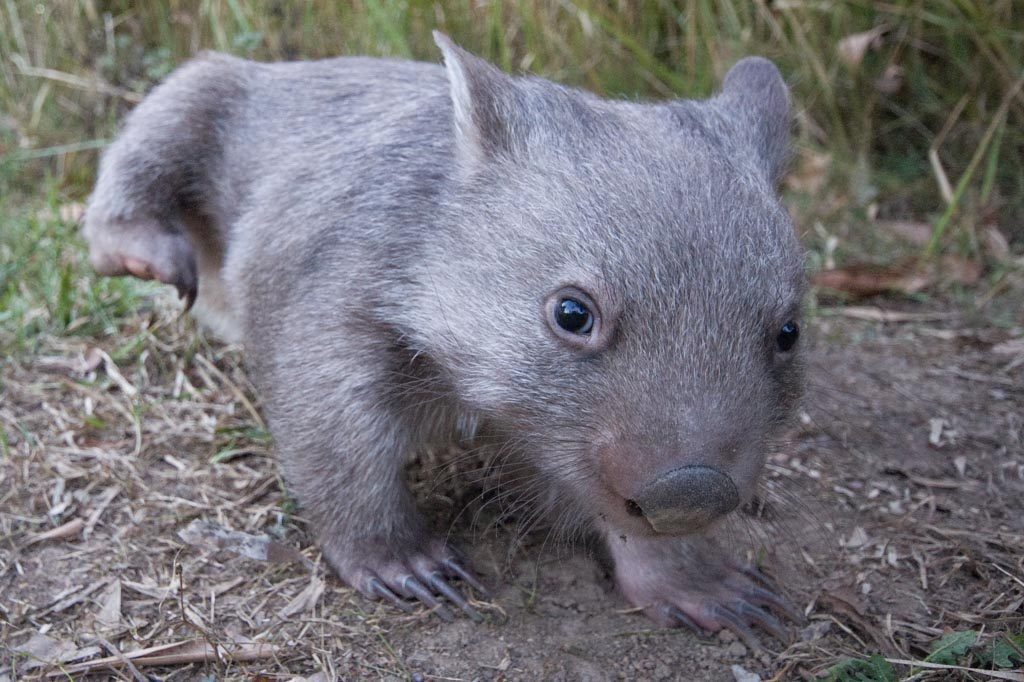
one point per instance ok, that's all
(736, 650)
(741, 674)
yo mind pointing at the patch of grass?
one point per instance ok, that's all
(46, 285)
(938, 76)
(959, 650)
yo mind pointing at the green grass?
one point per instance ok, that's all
(70, 69)
(46, 286)
(956, 651)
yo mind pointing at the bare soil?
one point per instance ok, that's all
(895, 515)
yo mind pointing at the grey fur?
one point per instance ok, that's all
(382, 236)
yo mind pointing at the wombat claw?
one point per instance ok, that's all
(678, 616)
(188, 293)
(417, 587)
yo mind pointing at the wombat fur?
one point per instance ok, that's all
(608, 289)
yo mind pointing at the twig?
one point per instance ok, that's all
(94, 84)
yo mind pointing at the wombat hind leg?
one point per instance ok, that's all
(144, 248)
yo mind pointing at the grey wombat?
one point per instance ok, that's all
(609, 289)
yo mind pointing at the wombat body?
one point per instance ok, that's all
(607, 290)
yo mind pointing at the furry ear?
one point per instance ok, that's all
(483, 102)
(755, 96)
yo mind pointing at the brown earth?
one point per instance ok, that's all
(896, 515)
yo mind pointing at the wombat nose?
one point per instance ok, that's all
(685, 499)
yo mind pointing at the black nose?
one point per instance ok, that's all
(686, 499)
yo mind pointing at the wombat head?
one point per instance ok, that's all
(618, 288)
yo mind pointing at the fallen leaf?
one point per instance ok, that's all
(109, 616)
(209, 535)
(115, 374)
(909, 276)
(960, 270)
(178, 653)
(304, 600)
(64, 531)
(810, 173)
(72, 212)
(1011, 347)
(882, 315)
(853, 47)
(996, 245)
(913, 232)
(43, 650)
(891, 80)
(73, 596)
(870, 280)
(858, 538)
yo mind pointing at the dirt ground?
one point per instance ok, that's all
(895, 515)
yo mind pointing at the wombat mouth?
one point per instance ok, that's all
(685, 500)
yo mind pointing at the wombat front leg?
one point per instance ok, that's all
(145, 247)
(344, 433)
(691, 582)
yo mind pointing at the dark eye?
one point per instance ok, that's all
(788, 336)
(574, 316)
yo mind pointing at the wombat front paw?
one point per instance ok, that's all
(690, 583)
(424, 575)
(144, 249)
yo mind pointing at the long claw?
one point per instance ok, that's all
(382, 590)
(416, 588)
(677, 615)
(766, 620)
(737, 625)
(466, 576)
(762, 597)
(437, 581)
(755, 574)
(189, 294)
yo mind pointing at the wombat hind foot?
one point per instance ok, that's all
(690, 583)
(424, 576)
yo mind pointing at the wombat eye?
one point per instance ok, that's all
(575, 319)
(788, 336)
(574, 316)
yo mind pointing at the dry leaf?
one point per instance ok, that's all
(853, 47)
(858, 538)
(304, 600)
(73, 596)
(909, 276)
(912, 232)
(996, 245)
(43, 650)
(115, 374)
(891, 80)
(71, 529)
(810, 174)
(178, 653)
(209, 535)
(71, 212)
(870, 280)
(109, 616)
(880, 315)
(1011, 347)
(960, 270)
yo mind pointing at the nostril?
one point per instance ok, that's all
(686, 499)
(633, 509)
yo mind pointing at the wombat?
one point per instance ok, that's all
(413, 254)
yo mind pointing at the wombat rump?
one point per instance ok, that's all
(414, 255)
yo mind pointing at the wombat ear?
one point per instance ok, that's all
(482, 99)
(755, 96)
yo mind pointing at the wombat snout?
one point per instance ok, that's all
(685, 500)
